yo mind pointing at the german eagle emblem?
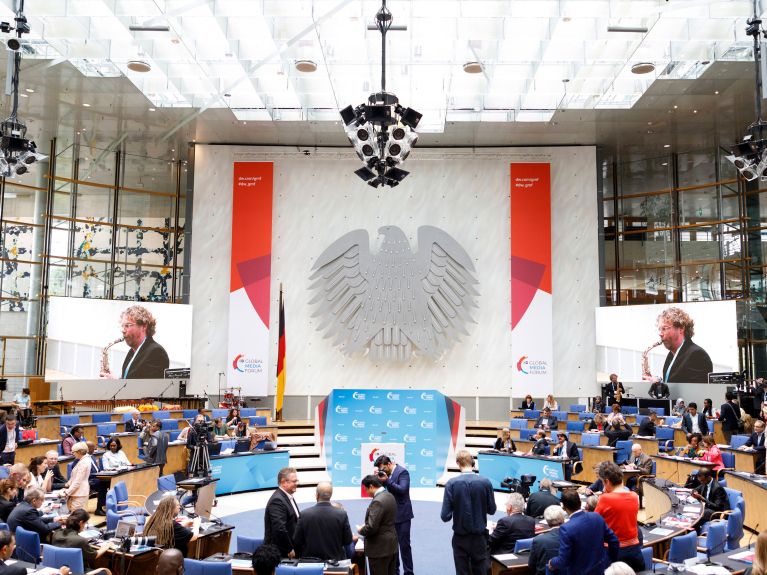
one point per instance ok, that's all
(395, 303)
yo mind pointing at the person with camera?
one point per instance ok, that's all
(197, 441)
(396, 480)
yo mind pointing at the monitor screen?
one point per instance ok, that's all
(242, 446)
(125, 529)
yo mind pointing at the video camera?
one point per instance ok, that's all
(521, 485)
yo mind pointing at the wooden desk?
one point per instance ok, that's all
(49, 427)
(649, 444)
(676, 469)
(214, 540)
(142, 563)
(744, 460)
(177, 458)
(140, 480)
(593, 455)
(35, 449)
(129, 441)
(755, 496)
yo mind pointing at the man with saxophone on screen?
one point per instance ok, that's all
(686, 362)
(146, 359)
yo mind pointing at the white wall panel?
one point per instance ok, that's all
(464, 192)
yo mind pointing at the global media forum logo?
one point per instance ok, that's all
(532, 366)
(247, 364)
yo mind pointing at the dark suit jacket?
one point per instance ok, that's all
(526, 405)
(692, 365)
(571, 451)
(646, 428)
(717, 498)
(552, 422)
(468, 500)
(499, 444)
(645, 463)
(14, 569)
(753, 441)
(280, 522)
(659, 389)
(545, 546)
(378, 530)
(133, 428)
(323, 532)
(702, 423)
(539, 447)
(5, 509)
(150, 363)
(58, 479)
(729, 414)
(613, 437)
(581, 545)
(26, 516)
(69, 539)
(539, 501)
(4, 436)
(508, 530)
(399, 486)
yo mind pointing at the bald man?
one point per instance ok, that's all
(323, 531)
(171, 562)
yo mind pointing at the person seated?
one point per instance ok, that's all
(69, 537)
(265, 559)
(615, 415)
(694, 422)
(540, 445)
(170, 562)
(617, 432)
(76, 435)
(598, 423)
(52, 463)
(546, 420)
(679, 409)
(27, 515)
(8, 493)
(169, 532)
(591, 503)
(711, 452)
(597, 406)
(41, 477)
(220, 428)
(114, 457)
(693, 449)
(257, 437)
(541, 499)
(241, 430)
(546, 545)
(205, 416)
(595, 487)
(516, 525)
(7, 545)
(551, 403)
(648, 426)
(757, 442)
(505, 442)
(640, 461)
(568, 450)
(708, 408)
(711, 494)
(528, 403)
(233, 419)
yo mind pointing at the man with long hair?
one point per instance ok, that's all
(686, 362)
(170, 533)
(146, 359)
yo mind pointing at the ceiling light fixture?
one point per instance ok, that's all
(139, 66)
(306, 66)
(643, 68)
(381, 130)
(629, 29)
(16, 152)
(472, 68)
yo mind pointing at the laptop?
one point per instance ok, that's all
(242, 446)
(125, 529)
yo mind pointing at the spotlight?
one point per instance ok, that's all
(395, 174)
(347, 115)
(365, 174)
(379, 114)
(13, 44)
(409, 117)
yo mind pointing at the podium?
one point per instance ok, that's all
(204, 492)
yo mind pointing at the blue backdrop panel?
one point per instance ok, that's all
(496, 467)
(249, 471)
(426, 421)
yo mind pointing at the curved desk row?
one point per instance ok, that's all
(754, 490)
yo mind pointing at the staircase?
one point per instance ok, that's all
(297, 436)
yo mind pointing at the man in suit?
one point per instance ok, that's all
(757, 442)
(135, 423)
(7, 545)
(659, 390)
(155, 444)
(379, 532)
(546, 545)
(617, 432)
(10, 435)
(281, 513)
(468, 500)
(541, 499)
(52, 465)
(686, 362)
(541, 443)
(146, 359)
(97, 486)
(582, 541)
(711, 494)
(323, 531)
(648, 426)
(729, 415)
(396, 479)
(639, 460)
(613, 387)
(569, 450)
(515, 526)
(694, 422)
(546, 421)
(27, 515)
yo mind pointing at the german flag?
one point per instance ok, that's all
(280, 363)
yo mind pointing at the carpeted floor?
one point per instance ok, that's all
(430, 537)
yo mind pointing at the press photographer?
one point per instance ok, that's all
(197, 442)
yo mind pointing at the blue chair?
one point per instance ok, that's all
(630, 409)
(189, 413)
(728, 458)
(127, 416)
(27, 545)
(70, 465)
(660, 411)
(166, 483)
(304, 569)
(257, 420)
(577, 407)
(738, 440)
(173, 435)
(106, 428)
(518, 423)
(114, 515)
(523, 544)
(575, 425)
(623, 450)
(194, 567)
(734, 529)
(585, 416)
(248, 544)
(682, 547)
(665, 437)
(101, 417)
(161, 415)
(525, 434)
(714, 541)
(640, 419)
(66, 422)
(735, 499)
(219, 413)
(560, 415)
(56, 557)
(250, 412)
(647, 556)
(169, 424)
(672, 420)
(590, 439)
(532, 413)
(4, 473)
(124, 500)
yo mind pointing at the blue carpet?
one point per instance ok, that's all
(430, 537)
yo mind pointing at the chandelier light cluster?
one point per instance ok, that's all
(750, 155)
(381, 130)
(17, 153)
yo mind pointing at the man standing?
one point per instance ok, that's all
(146, 359)
(281, 513)
(379, 531)
(711, 494)
(694, 422)
(10, 435)
(510, 529)
(323, 531)
(613, 387)
(686, 362)
(468, 500)
(582, 540)
(155, 444)
(396, 479)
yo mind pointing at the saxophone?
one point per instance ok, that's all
(646, 375)
(105, 356)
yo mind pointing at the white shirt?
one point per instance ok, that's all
(10, 444)
(671, 365)
(114, 460)
(695, 426)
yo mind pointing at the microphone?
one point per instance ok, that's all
(752, 535)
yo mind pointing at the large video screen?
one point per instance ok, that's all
(686, 341)
(146, 338)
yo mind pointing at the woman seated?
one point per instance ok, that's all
(597, 406)
(505, 442)
(711, 452)
(69, 537)
(8, 493)
(679, 408)
(219, 427)
(693, 449)
(114, 457)
(233, 419)
(241, 430)
(598, 423)
(165, 525)
(551, 403)
(528, 403)
(41, 476)
(615, 415)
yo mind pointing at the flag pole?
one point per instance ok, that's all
(280, 395)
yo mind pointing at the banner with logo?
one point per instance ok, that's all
(427, 424)
(531, 306)
(250, 277)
